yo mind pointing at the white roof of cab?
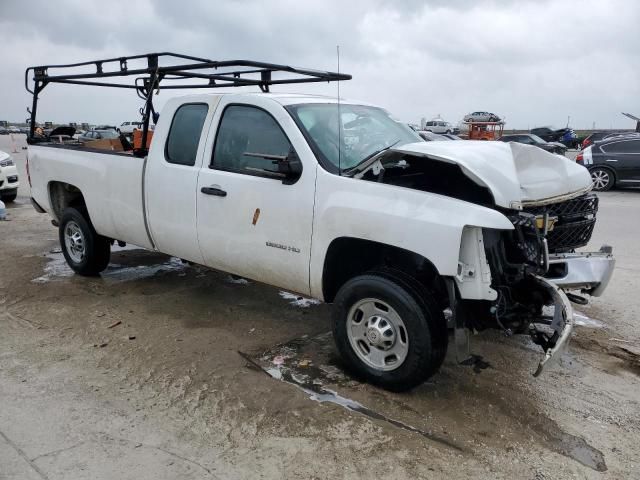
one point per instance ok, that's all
(288, 98)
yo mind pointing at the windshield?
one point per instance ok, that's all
(361, 132)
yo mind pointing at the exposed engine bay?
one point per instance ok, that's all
(522, 262)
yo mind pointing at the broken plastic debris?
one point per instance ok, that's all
(278, 360)
(304, 363)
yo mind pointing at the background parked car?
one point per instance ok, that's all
(8, 178)
(531, 139)
(566, 135)
(451, 136)
(97, 134)
(440, 126)
(595, 137)
(481, 117)
(432, 137)
(612, 162)
(128, 127)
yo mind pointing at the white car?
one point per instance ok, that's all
(340, 202)
(439, 126)
(8, 178)
(129, 127)
(481, 117)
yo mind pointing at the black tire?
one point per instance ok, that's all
(96, 248)
(603, 178)
(424, 327)
(9, 198)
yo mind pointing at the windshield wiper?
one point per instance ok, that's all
(364, 163)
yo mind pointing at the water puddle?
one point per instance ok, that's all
(297, 300)
(309, 364)
(578, 449)
(234, 280)
(56, 268)
(584, 321)
(300, 363)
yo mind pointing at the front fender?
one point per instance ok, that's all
(425, 223)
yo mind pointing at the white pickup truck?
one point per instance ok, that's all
(340, 202)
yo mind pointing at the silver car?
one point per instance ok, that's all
(481, 117)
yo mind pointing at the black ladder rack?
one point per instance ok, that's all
(172, 68)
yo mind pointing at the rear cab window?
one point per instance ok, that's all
(184, 134)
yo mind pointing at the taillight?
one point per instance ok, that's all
(580, 158)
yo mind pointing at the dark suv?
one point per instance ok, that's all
(611, 162)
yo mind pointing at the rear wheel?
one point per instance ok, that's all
(602, 178)
(387, 331)
(86, 252)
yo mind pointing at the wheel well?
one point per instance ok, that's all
(348, 257)
(64, 195)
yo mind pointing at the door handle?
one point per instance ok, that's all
(218, 192)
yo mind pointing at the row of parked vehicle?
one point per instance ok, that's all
(613, 160)
(12, 130)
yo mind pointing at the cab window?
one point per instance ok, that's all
(184, 135)
(248, 141)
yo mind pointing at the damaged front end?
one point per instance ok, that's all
(530, 268)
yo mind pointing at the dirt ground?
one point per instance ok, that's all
(154, 371)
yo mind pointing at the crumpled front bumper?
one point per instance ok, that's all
(560, 326)
(588, 272)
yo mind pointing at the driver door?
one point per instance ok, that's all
(250, 223)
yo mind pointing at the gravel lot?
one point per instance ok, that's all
(152, 371)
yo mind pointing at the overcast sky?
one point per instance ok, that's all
(535, 63)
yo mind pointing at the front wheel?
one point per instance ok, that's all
(386, 334)
(602, 179)
(86, 252)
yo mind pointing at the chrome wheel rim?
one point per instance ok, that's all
(74, 241)
(600, 179)
(377, 334)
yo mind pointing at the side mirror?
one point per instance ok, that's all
(288, 168)
(291, 167)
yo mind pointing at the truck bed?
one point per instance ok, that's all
(111, 182)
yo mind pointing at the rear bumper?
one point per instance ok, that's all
(588, 272)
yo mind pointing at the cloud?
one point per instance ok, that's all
(534, 62)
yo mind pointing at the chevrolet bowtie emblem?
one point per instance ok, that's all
(551, 222)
